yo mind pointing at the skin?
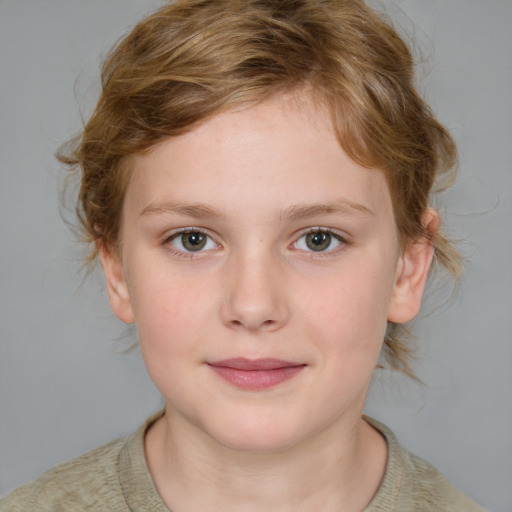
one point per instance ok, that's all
(255, 181)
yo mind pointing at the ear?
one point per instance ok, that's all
(117, 287)
(412, 272)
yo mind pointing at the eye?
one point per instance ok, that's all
(192, 241)
(319, 240)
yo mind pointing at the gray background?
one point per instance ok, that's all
(65, 384)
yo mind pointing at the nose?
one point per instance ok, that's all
(255, 293)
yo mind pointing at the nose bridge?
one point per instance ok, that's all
(255, 295)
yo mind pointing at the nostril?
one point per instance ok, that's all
(267, 324)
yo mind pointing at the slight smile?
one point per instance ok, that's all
(255, 374)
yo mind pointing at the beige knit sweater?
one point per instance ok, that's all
(115, 478)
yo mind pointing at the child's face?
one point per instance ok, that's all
(290, 254)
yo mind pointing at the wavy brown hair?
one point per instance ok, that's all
(194, 59)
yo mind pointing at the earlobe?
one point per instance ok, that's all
(412, 272)
(117, 287)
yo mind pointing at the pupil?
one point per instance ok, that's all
(318, 241)
(194, 241)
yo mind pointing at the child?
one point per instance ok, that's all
(256, 181)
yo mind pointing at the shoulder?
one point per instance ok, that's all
(426, 485)
(89, 482)
(412, 484)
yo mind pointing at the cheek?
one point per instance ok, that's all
(171, 338)
(346, 320)
(348, 312)
(169, 312)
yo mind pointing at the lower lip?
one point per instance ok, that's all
(257, 379)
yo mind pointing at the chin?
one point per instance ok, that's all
(256, 434)
(257, 442)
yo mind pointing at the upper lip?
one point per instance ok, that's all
(241, 363)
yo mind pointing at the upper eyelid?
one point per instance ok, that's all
(337, 233)
(299, 234)
(192, 229)
(169, 237)
(342, 239)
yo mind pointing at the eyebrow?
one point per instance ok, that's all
(196, 211)
(340, 206)
(295, 212)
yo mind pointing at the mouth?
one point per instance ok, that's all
(256, 374)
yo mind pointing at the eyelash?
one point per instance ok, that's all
(184, 253)
(335, 235)
(310, 253)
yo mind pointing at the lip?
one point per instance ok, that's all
(255, 374)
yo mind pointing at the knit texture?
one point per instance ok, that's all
(115, 478)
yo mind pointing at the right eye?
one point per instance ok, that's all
(192, 241)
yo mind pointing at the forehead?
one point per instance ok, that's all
(278, 153)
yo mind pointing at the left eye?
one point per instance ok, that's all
(192, 241)
(319, 241)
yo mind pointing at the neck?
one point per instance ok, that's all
(337, 470)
